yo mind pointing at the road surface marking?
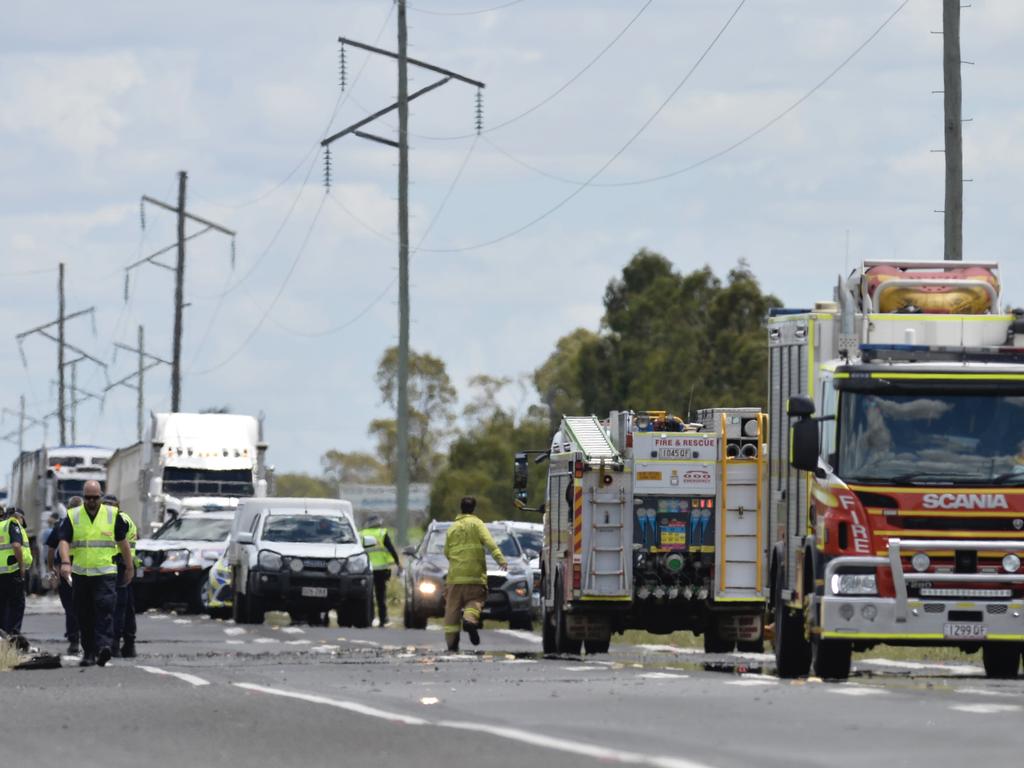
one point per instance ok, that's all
(669, 649)
(325, 648)
(374, 643)
(183, 621)
(517, 661)
(350, 706)
(529, 637)
(752, 681)
(190, 679)
(855, 690)
(984, 692)
(266, 640)
(234, 642)
(575, 747)
(293, 630)
(585, 668)
(514, 734)
(952, 669)
(296, 642)
(662, 676)
(234, 630)
(986, 709)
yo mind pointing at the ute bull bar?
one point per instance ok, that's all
(901, 578)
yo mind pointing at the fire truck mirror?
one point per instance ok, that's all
(801, 406)
(521, 477)
(804, 443)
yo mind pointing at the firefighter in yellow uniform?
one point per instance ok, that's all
(12, 572)
(466, 585)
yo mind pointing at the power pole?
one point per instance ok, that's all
(62, 346)
(73, 391)
(179, 271)
(402, 145)
(139, 374)
(74, 408)
(20, 433)
(952, 97)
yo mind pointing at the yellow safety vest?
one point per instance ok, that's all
(8, 563)
(26, 548)
(93, 546)
(380, 558)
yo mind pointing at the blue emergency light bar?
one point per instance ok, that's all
(926, 352)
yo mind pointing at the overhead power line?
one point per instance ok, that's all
(477, 12)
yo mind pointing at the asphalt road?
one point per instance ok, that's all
(208, 692)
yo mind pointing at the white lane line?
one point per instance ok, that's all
(266, 640)
(986, 709)
(351, 706)
(184, 676)
(529, 637)
(748, 682)
(234, 642)
(372, 643)
(918, 666)
(183, 621)
(575, 747)
(297, 642)
(985, 692)
(662, 676)
(856, 690)
(548, 742)
(293, 630)
(234, 630)
(669, 649)
(510, 661)
(585, 668)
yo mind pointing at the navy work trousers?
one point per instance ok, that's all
(124, 612)
(12, 603)
(95, 598)
(380, 591)
(68, 604)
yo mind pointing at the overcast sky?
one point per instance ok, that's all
(102, 102)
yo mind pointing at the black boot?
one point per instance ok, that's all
(74, 648)
(103, 657)
(471, 630)
(128, 649)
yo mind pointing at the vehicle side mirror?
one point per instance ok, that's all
(369, 541)
(245, 537)
(521, 477)
(800, 406)
(804, 445)
(156, 487)
(531, 554)
(409, 551)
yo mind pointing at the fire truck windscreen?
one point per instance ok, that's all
(930, 438)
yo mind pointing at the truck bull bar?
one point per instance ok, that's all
(900, 578)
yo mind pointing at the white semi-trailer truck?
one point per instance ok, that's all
(185, 455)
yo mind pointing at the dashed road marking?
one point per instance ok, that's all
(234, 630)
(529, 637)
(266, 640)
(372, 643)
(296, 642)
(751, 681)
(985, 692)
(183, 621)
(585, 668)
(986, 709)
(856, 690)
(662, 676)
(184, 676)
(293, 630)
(234, 642)
(351, 706)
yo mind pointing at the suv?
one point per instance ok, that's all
(508, 593)
(531, 539)
(176, 560)
(302, 556)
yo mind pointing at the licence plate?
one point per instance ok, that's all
(314, 591)
(964, 630)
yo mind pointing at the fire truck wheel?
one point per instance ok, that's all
(593, 647)
(1001, 660)
(830, 659)
(713, 642)
(548, 632)
(792, 653)
(563, 643)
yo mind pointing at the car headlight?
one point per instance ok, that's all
(270, 561)
(854, 584)
(295, 565)
(521, 588)
(427, 587)
(175, 559)
(334, 567)
(357, 563)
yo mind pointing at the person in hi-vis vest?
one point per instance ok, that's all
(382, 557)
(91, 536)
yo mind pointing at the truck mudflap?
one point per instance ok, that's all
(954, 615)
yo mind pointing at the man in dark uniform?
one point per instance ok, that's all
(63, 588)
(12, 573)
(124, 608)
(91, 537)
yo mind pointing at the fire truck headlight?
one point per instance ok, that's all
(854, 584)
(1011, 563)
(920, 561)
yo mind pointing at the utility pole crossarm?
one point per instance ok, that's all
(73, 348)
(162, 251)
(124, 382)
(38, 329)
(417, 62)
(173, 209)
(381, 112)
(151, 356)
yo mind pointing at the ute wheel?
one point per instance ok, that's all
(412, 619)
(792, 651)
(360, 611)
(563, 643)
(593, 647)
(830, 659)
(1001, 660)
(521, 621)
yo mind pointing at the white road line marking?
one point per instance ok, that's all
(266, 640)
(662, 676)
(749, 682)
(512, 661)
(529, 637)
(234, 630)
(585, 668)
(234, 642)
(183, 621)
(514, 734)
(985, 692)
(669, 649)
(293, 630)
(350, 706)
(325, 648)
(952, 669)
(374, 643)
(575, 747)
(190, 679)
(986, 709)
(296, 642)
(856, 690)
